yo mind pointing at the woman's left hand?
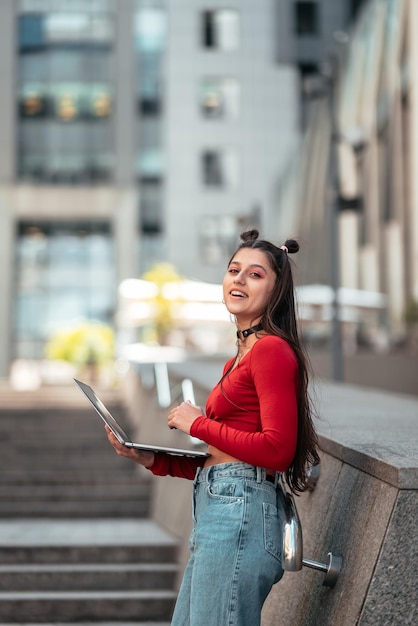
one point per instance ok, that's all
(183, 416)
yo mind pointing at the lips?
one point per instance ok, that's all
(237, 294)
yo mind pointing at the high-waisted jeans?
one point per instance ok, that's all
(235, 547)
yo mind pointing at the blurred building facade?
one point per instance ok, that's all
(372, 132)
(134, 131)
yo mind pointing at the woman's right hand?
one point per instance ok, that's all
(142, 457)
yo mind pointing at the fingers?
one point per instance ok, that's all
(170, 420)
(110, 435)
(183, 416)
(114, 441)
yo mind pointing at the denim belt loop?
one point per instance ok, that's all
(261, 474)
(198, 472)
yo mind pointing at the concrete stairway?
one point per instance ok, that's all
(57, 462)
(75, 542)
(67, 571)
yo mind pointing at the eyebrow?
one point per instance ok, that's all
(252, 265)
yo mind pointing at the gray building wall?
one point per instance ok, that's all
(7, 166)
(263, 135)
(125, 91)
(7, 101)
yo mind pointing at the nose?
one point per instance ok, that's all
(239, 278)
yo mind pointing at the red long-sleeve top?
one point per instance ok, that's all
(251, 415)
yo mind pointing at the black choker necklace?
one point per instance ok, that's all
(243, 334)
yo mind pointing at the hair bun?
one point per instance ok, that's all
(250, 235)
(292, 246)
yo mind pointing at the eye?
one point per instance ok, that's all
(255, 275)
(233, 270)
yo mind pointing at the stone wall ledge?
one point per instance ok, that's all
(372, 459)
(372, 430)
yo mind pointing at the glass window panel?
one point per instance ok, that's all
(151, 163)
(50, 137)
(34, 102)
(306, 18)
(221, 29)
(75, 27)
(151, 206)
(33, 68)
(220, 168)
(73, 170)
(89, 6)
(218, 236)
(31, 32)
(78, 65)
(66, 101)
(219, 98)
(64, 272)
(149, 82)
(150, 134)
(33, 5)
(150, 29)
(66, 65)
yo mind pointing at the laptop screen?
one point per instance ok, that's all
(104, 413)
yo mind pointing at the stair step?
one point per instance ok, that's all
(74, 509)
(89, 576)
(75, 543)
(95, 623)
(73, 459)
(78, 492)
(86, 605)
(88, 554)
(121, 474)
(36, 541)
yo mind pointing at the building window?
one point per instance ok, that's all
(220, 29)
(307, 18)
(218, 236)
(151, 203)
(356, 5)
(65, 96)
(219, 98)
(54, 152)
(38, 31)
(220, 169)
(150, 32)
(64, 272)
(65, 101)
(31, 34)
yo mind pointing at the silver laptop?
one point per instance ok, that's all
(121, 435)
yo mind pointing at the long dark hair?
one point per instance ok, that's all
(279, 318)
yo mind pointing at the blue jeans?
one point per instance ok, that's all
(235, 547)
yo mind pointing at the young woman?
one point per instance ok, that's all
(257, 423)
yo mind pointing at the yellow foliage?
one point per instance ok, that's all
(88, 343)
(160, 274)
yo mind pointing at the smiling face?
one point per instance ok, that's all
(247, 286)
